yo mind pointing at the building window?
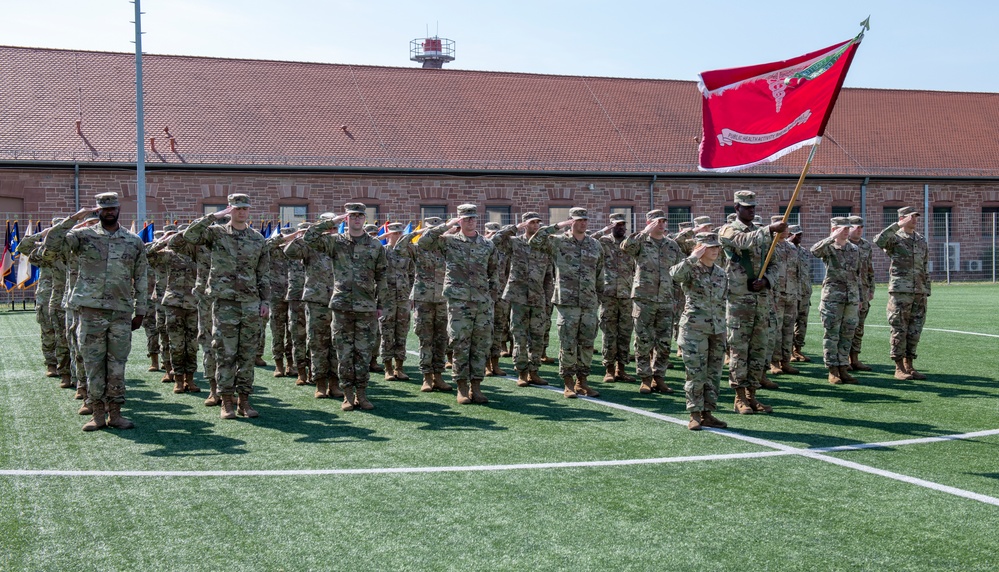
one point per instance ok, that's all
(841, 211)
(209, 209)
(500, 214)
(794, 217)
(676, 215)
(293, 214)
(439, 211)
(371, 214)
(629, 217)
(990, 221)
(943, 224)
(558, 214)
(889, 216)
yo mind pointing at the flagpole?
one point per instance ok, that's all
(790, 205)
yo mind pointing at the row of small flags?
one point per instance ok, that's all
(17, 270)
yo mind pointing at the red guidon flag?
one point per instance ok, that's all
(757, 114)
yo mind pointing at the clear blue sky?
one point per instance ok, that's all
(913, 44)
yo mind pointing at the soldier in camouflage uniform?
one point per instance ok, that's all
(394, 322)
(429, 306)
(804, 259)
(524, 291)
(360, 271)
(157, 275)
(281, 345)
(780, 290)
(749, 300)
(789, 308)
(579, 267)
(48, 307)
(652, 297)
(501, 308)
(316, 294)
(866, 289)
(840, 298)
(684, 233)
(298, 326)
(616, 323)
(908, 289)
(702, 328)
(203, 262)
(469, 281)
(374, 367)
(43, 293)
(178, 258)
(111, 286)
(240, 291)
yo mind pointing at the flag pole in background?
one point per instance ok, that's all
(757, 114)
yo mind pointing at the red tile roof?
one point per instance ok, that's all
(252, 112)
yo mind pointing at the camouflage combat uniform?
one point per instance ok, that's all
(866, 250)
(791, 302)
(394, 323)
(54, 323)
(297, 324)
(616, 321)
(429, 304)
(203, 261)
(804, 258)
(158, 276)
(177, 257)
(281, 344)
(908, 288)
(43, 296)
(317, 292)
(501, 307)
(840, 299)
(780, 292)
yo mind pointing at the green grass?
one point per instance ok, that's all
(766, 513)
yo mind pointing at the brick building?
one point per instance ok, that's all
(305, 138)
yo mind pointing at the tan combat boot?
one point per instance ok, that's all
(742, 406)
(227, 412)
(333, 388)
(243, 407)
(85, 409)
(765, 382)
(545, 358)
(496, 367)
(450, 359)
(582, 388)
(659, 384)
(361, 398)
(695, 421)
(609, 374)
(389, 371)
(303, 376)
(834, 376)
(190, 386)
(167, 377)
(844, 374)
(535, 379)
(178, 382)
(98, 421)
(523, 378)
(775, 368)
(66, 382)
(348, 399)
(489, 368)
(373, 366)
(278, 367)
(756, 404)
(796, 355)
(322, 389)
(290, 370)
(81, 392)
(463, 398)
(52, 371)
(507, 350)
(440, 384)
(476, 394)
(856, 364)
(428, 383)
(398, 371)
(259, 362)
(116, 420)
(569, 387)
(709, 420)
(911, 370)
(621, 374)
(213, 395)
(154, 363)
(786, 367)
(901, 373)
(646, 387)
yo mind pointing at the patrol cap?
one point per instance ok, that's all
(776, 218)
(107, 200)
(745, 198)
(355, 208)
(656, 214)
(617, 218)
(433, 220)
(286, 230)
(757, 219)
(158, 234)
(707, 239)
(57, 220)
(904, 211)
(794, 229)
(303, 225)
(182, 227)
(531, 215)
(327, 216)
(702, 220)
(578, 213)
(685, 224)
(239, 201)
(369, 228)
(468, 210)
(730, 217)
(492, 226)
(856, 220)
(839, 221)
(394, 227)
(170, 227)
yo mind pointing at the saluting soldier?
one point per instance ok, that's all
(781, 259)
(840, 298)
(909, 287)
(749, 300)
(524, 291)
(652, 298)
(789, 309)
(501, 308)
(579, 266)
(616, 322)
(178, 258)
(469, 280)
(110, 294)
(804, 259)
(360, 271)
(203, 262)
(866, 250)
(281, 339)
(429, 306)
(702, 328)
(50, 299)
(240, 292)
(159, 276)
(374, 367)
(394, 322)
(298, 325)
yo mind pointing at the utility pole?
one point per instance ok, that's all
(140, 135)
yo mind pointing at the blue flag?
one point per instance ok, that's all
(147, 232)
(10, 271)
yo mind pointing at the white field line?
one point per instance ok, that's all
(917, 441)
(925, 330)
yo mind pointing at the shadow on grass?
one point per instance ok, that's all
(399, 401)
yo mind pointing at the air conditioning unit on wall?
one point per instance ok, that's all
(974, 265)
(951, 254)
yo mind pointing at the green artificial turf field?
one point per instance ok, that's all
(531, 481)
